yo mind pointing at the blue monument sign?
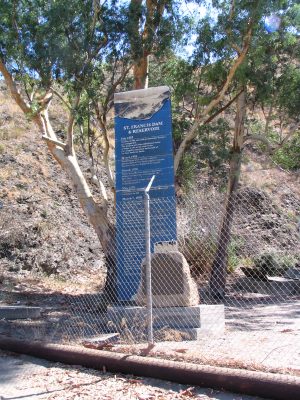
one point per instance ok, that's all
(143, 134)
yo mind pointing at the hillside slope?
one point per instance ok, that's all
(43, 232)
(42, 227)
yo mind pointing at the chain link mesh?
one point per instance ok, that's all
(252, 322)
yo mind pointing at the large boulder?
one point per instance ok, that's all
(172, 283)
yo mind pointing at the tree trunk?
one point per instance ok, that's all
(140, 73)
(142, 41)
(96, 214)
(219, 266)
(201, 119)
(65, 155)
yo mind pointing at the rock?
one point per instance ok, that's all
(98, 264)
(172, 283)
(14, 268)
(293, 273)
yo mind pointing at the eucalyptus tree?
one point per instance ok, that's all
(270, 69)
(74, 45)
(81, 51)
(238, 64)
(273, 71)
(152, 26)
(88, 48)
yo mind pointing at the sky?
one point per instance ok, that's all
(198, 12)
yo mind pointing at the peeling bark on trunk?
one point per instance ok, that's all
(96, 214)
(219, 266)
(65, 155)
(142, 41)
(140, 73)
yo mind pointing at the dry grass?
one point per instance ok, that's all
(179, 355)
(263, 175)
(6, 173)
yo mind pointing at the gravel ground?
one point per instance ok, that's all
(261, 337)
(258, 337)
(28, 378)
(233, 350)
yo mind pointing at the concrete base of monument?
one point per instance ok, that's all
(194, 321)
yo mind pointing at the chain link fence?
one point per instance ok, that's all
(225, 285)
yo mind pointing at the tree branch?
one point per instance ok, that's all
(213, 116)
(54, 91)
(259, 138)
(69, 148)
(191, 135)
(236, 48)
(44, 101)
(98, 182)
(232, 9)
(15, 93)
(114, 86)
(239, 124)
(106, 147)
(290, 133)
(54, 141)
(271, 149)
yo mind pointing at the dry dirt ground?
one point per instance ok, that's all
(28, 378)
(48, 254)
(260, 334)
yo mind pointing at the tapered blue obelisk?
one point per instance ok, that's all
(144, 147)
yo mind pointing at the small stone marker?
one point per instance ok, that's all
(172, 283)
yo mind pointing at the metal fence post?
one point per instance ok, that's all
(148, 262)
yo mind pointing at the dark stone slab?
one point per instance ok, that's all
(19, 312)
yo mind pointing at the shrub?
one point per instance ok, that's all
(233, 254)
(288, 156)
(272, 264)
(199, 253)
